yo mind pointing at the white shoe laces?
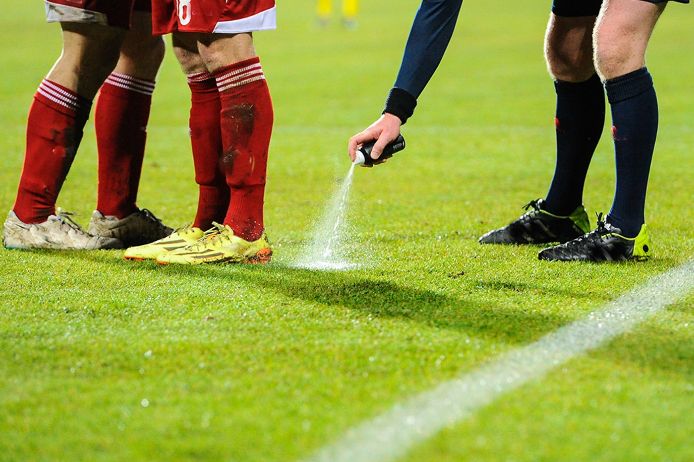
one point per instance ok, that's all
(65, 219)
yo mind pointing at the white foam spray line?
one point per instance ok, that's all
(393, 434)
(325, 252)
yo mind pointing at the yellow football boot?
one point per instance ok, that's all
(220, 245)
(179, 239)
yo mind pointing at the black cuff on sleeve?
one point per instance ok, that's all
(401, 104)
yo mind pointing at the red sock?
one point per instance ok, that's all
(246, 121)
(206, 140)
(120, 118)
(54, 131)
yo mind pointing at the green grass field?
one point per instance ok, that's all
(105, 360)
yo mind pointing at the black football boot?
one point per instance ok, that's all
(538, 226)
(604, 244)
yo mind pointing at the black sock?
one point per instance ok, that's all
(580, 118)
(635, 125)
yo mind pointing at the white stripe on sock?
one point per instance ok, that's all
(242, 82)
(199, 77)
(57, 95)
(146, 88)
(43, 93)
(238, 74)
(69, 98)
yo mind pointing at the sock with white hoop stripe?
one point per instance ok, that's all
(246, 123)
(120, 118)
(239, 74)
(54, 131)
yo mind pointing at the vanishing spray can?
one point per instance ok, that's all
(364, 152)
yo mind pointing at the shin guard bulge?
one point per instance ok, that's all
(246, 123)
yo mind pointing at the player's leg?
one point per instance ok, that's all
(206, 143)
(205, 133)
(621, 36)
(62, 105)
(580, 109)
(579, 119)
(246, 125)
(121, 117)
(54, 130)
(324, 9)
(350, 9)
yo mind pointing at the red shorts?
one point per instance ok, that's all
(115, 13)
(212, 16)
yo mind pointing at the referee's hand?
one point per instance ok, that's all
(384, 130)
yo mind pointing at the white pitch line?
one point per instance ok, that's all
(394, 433)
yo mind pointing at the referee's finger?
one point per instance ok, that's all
(356, 140)
(380, 145)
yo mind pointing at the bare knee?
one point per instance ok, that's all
(568, 63)
(185, 48)
(142, 53)
(569, 49)
(616, 53)
(621, 36)
(141, 59)
(90, 53)
(218, 51)
(191, 63)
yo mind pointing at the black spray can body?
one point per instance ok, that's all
(364, 152)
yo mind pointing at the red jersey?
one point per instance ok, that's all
(213, 16)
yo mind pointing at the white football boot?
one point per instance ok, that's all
(138, 228)
(59, 231)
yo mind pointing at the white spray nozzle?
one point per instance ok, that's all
(359, 158)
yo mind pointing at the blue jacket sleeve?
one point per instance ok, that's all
(429, 37)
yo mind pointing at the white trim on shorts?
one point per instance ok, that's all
(265, 20)
(64, 13)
